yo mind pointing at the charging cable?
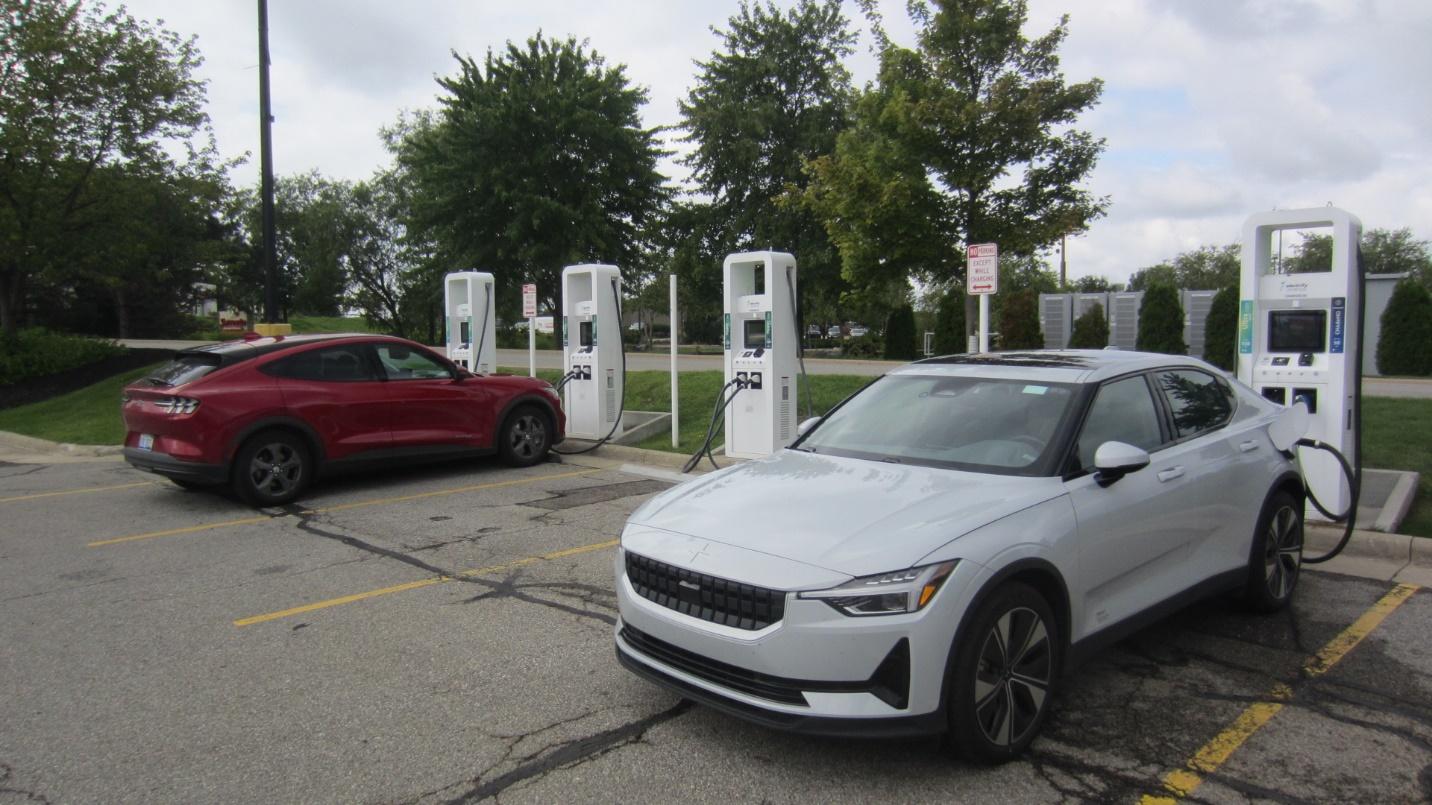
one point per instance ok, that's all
(722, 401)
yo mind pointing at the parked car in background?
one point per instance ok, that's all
(833, 332)
(267, 416)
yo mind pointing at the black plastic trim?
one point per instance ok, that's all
(171, 467)
(315, 443)
(1227, 581)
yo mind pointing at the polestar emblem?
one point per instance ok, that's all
(690, 585)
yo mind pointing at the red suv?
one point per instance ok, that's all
(266, 415)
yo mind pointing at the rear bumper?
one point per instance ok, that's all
(171, 467)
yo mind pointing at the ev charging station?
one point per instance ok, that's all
(592, 349)
(1297, 338)
(470, 320)
(761, 340)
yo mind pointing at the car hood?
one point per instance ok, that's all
(849, 515)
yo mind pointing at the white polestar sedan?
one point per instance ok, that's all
(934, 552)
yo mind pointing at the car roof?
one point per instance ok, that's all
(1050, 365)
(238, 350)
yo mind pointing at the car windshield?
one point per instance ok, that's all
(967, 423)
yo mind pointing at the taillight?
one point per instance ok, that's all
(177, 405)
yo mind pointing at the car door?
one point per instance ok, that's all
(337, 391)
(431, 404)
(1134, 533)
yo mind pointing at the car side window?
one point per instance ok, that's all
(338, 364)
(1199, 402)
(401, 362)
(1123, 411)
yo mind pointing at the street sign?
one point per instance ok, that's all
(529, 301)
(982, 273)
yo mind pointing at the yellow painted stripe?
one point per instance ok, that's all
(85, 491)
(420, 583)
(1212, 755)
(172, 532)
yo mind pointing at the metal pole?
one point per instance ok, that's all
(1063, 261)
(532, 347)
(675, 407)
(266, 166)
(984, 322)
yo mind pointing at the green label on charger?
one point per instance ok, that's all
(726, 332)
(564, 331)
(594, 329)
(1245, 327)
(768, 329)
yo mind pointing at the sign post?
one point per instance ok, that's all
(529, 310)
(982, 279)
(675, 407)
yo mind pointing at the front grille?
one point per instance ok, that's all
(706, 597)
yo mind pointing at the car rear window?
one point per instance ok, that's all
(186, 367)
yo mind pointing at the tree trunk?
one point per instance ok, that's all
(121, 306)
(10, 296)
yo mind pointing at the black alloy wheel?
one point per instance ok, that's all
(1277, 557)
(525, 437)
(271, 469)
(1004, 675)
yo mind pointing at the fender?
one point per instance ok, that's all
(282, 421)
(540, 400)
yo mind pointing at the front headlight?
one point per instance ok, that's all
(886, 593)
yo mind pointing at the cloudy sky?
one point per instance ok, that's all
(1213, 109)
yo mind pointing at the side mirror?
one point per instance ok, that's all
(1114, 460)
(1290, 426)
(806, 425)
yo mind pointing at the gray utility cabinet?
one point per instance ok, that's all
(1055, 319)
(1196, 305)
(1124, 318)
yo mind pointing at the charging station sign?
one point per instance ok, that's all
(529, 301)
(1245, 327)
(982, 269)
(1339, 326)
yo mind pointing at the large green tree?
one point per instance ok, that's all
(1161, 321)
(1091, 330)
(82, 90)
(1404, 346)
(967, 137)
(1201, 269)
(1019, 321)
(537, 159)
(1220, 329)
(1384, 251)
(772, 96)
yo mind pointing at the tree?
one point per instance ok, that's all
(1145, 278)
(1405, 344)
(773, 96)
(1092, 284)
(900, 335)
(1384, 251)
(1220, 329)
(1161, 321)
(1091, 330)
(536, 160)
(81, 90)
(1199, 269)
(950, 323)
(966, 138)
(1019, 322)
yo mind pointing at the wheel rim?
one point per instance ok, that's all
(1012, 677)
(1282, 553)
(528, 437)
(276, 469)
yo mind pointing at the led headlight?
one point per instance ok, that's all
(886, 593)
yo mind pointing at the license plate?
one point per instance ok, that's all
(146, 441)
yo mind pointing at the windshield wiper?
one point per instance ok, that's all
(804, 449)
(891, 460)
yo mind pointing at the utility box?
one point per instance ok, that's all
(760, 339)
(1196, 305)
(1056, 319)
(470, 320)
(1124, 319)
(592, 349)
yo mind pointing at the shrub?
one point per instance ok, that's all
(36, 352)
(950, 323)
(1019, 323)
(900, 334)
(1161, 321)
(1091, 330)
(1220, 331)
(1405, 345)
(864, 346)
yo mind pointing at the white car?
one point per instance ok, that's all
(936, 550)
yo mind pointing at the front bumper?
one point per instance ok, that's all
(178, 469)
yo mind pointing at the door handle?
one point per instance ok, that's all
(1247, 447)
(1169, 474)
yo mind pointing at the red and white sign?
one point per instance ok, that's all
(982, 271)
(529, 301)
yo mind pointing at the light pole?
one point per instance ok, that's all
(266, 166)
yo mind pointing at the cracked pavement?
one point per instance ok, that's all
(125, 678)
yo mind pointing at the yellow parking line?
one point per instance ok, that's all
(1207, 760)
(170, 532)
(38, 495)
(420, 583)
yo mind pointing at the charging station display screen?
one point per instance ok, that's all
(1297, 330)
(584, 334)
(755, 335)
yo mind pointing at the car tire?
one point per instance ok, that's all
(525, 436)
(999, 696)
(272, 468)
(1276, 560)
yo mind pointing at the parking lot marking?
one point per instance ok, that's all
(172, 532)
(1183, 782)
(420, 583)
(38, 495)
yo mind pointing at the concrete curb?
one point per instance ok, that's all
(1399, 502)
(19, 443)
(1399, 548)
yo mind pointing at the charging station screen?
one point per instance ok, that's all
(1297, 330)
(755, 333)
(584, 334)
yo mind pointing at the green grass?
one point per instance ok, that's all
(87, 416)
(329, 324)
(1397, 434)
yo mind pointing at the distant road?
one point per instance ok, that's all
(1415, 388)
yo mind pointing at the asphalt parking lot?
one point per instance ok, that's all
(444, 635)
